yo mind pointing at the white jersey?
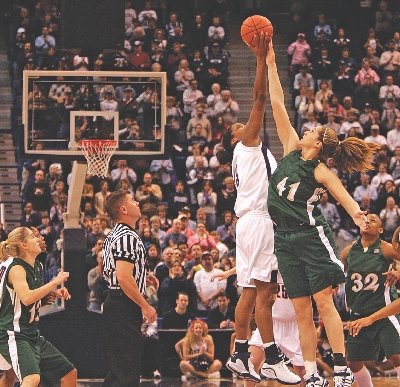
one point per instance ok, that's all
(250, 172)
(282, 309)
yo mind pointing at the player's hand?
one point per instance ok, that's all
(62, 293)
(261, 45)
(49, 298)
(391, 277)
(62, 276)
(360, 219)
(271, 55)
(219, 276)
(149, 313)
(355, 326)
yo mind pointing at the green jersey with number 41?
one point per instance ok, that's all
(294, 193)
(14, 315)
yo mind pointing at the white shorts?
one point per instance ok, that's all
(4, 366)
(287, 338)
(255, 258)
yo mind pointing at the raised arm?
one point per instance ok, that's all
(251, 130)
(286, 133)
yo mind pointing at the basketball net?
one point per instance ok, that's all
(98, 154)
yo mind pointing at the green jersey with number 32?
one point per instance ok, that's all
(294, 193)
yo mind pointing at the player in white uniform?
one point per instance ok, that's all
(256, 263)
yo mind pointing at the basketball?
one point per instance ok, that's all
(254, 25)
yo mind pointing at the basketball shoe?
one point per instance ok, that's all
(276, 369)
(239, 363)
(315, 380)
(343, 378)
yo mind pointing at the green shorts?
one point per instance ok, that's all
(381, 334)
(308, 260)
(30, 356)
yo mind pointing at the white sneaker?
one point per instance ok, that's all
(343, 378)
(188, 377)
(240, 364)
(156, 374)
(279, 372)
(214, 375)
(315, 380)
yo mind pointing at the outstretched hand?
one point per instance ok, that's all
(355, 326)
(360, 219)
(271, 54)
(261, 44)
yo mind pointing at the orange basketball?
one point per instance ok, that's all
(254, 25)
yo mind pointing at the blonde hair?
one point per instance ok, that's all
(12, 246)
(349, 155)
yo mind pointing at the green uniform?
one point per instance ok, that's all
(366, 293)
(20, 341)
(307, 256)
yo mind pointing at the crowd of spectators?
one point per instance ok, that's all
(187, 200)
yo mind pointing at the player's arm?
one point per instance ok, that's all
(389, 310)
(17, 278)
(343, 255)
(286, 133)
(392, 276)
(326, 177)
(224, 274)
(250, 136)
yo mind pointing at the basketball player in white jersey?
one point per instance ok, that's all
(256, 263)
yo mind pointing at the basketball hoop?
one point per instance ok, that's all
(98, 154)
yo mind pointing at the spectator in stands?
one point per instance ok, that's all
(324, 92)
(207, 291)
(389, 90)
(94, 275)
(368, 92)
(217, 68)
(174, 284)
(310, 124)
(195, 178)
(100, 198)
(323, 27)
(166, 223)
(227, 108)
(182, 78)
(145, 15)
(198, 139)
(191, 224)
(390, 61)
(226, 196)
(331, 122)
(222, 316)
(351, 122)
(394, 166)
(198, 66)
(175, 237)
(365, 189)
(207, 200)
(348, 106)
(177, 200)
(92, 256)
(201, 119)
(390, 216)
(367, 205)
(180, 316)
(343, 81)
(123, 171)
(303, 78)
(309, 105)
(174, 58)
(161, 271)
(339, 43)
(162, 173)
(366, 69)
(148, 237)
(202, 237)
(393, 136)
(389, 189)
(198, 33)
(42, 44)
(300, 52)
(324, 67)
(373, 42)
(375, 137)
(330, 213)
(3, 233)
(53, 176)
(148, 195)
(59, 190)
(381, 177)
(373, 60)
(351, 64)
(216, 33)
(194, 264)
(173, 22)
(140, 59)
(389, 114)
(155, 223)
(383, 22)
(30, 218)
(94, 235)
(227, 231)
(153, 257)
(191, 159)
(189, 98)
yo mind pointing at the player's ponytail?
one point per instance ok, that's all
(12, 246)
(349, 155)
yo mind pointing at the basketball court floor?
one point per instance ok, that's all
(390, 381)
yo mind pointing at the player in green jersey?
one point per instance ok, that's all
(307, 256)
(368, 261)
(20, 342)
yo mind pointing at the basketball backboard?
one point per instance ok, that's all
(62, 107)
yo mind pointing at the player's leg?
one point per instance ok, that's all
(70, 380)
(361, 374)
(239, 362)
(342, 375)
(257, 358)
(32, 380)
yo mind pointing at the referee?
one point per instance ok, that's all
(125, 307)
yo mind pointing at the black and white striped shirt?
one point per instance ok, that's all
(123, 243)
